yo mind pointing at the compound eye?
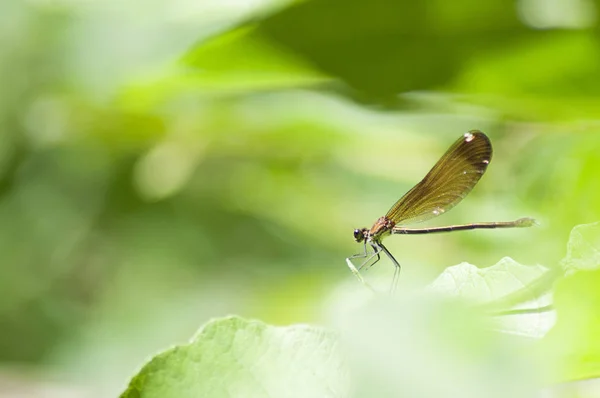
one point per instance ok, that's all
(358, 235)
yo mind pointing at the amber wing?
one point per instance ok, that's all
(447, 183)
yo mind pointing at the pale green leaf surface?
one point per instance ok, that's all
(485, 284)
(508, 283)
(233, 357)
(583, 249)
(420, 345)
(573, 345)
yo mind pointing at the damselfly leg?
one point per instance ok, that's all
(367, 256)
(396, 268)
(366, 264)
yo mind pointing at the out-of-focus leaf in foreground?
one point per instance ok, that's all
(425, 346)
(506, 286)
(233, 357)
(574, 343)
(388, 348)
(395, 346)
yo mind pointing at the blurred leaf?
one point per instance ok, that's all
(583, 249)
(528, 82)
(376, 47)
(233, 357)
(384, 48)
(503, 286)
(531, 64)
(573, 345)
(387, 47)
(245, 57)
(420, 346)
(238, 61)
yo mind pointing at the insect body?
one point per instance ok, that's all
(446, 184)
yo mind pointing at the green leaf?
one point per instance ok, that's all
(573, 345)
(244, 57)
(392, 47)
(485, 284)
(419, 345)
(236, 62)
(583, 249)
(506, 288)
(234, 357)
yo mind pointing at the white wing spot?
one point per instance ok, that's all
(437, 211)
(469, 137)
(486, 161)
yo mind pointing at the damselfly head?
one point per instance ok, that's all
(360, 234)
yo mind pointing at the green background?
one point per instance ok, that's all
(162, 163)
